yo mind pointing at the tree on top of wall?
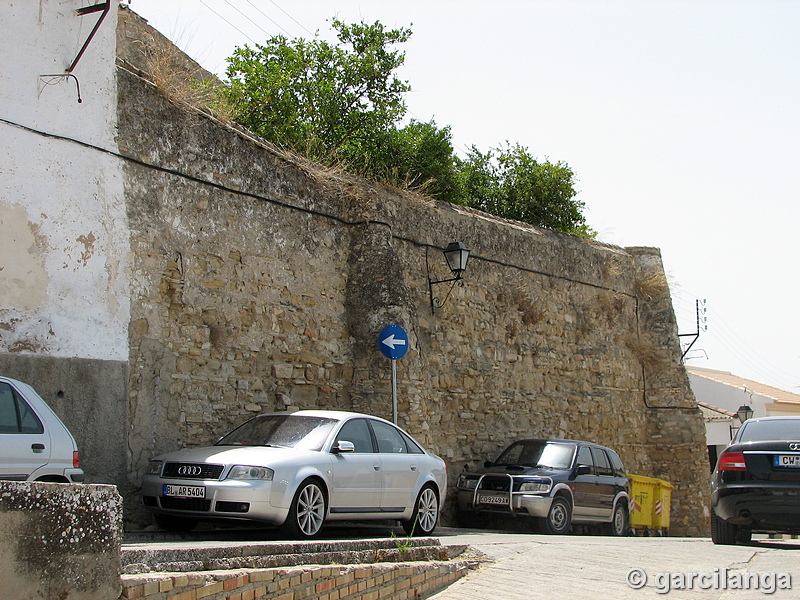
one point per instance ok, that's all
(343, 104)
(509, 182)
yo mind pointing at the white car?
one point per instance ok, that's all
(34, 444)
(298, 470)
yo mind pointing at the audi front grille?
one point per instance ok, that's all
(192, 471)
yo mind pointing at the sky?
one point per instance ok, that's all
(678, 117)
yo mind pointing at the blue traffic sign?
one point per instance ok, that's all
(393, 342)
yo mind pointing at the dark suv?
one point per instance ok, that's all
(556, 482)
(756, 485)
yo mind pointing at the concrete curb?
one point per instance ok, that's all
(144, 558)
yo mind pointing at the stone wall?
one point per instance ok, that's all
(262, 282)
(59, 541)
(183, 275)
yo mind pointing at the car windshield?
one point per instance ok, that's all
(544, 455)
(286, 431)
(756, 431)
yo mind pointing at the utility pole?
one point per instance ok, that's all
(696, 334)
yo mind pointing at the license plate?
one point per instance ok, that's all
(484, 499)
(184, 491)
(786, 460)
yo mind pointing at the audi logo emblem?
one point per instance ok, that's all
(794, 446)
(189, 470)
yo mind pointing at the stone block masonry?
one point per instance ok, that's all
(235, 278)
(262, 282)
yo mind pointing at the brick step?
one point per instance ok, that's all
(386, 581)
(214, 556)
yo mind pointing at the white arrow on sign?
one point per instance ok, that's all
(392, 342)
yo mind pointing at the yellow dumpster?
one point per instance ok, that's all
(650, 502)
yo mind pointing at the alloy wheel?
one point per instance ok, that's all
(310, 509)
(427, 510)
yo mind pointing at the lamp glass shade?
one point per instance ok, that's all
(456, 254)
(744, 413)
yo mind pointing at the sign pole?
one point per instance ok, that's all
(393, 344)
(394, 391)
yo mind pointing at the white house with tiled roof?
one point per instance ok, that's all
(720, 394)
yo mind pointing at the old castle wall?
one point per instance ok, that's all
(246, 281)
(261, 283)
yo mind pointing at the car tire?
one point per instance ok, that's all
(723, 532)
(744, 535)
(425, 514)
(175, 524)
(307, 512)
(559, 517)
(620, 523)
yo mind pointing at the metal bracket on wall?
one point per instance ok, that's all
(105, 7)
(696, 334)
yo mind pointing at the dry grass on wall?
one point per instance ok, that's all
(612, 305)
(651, 285)
(183, 82)
(645, 349)
(530, 311)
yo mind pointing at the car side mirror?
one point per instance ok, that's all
(583, 470)
(488, 464)
(343, 446)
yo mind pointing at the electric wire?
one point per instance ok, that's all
(737, 345)
(268, 17)
(269, 34)
(309, 211)
(252, 21)
(290, 16)
(728, 339)
(411, 113)
(228, 22)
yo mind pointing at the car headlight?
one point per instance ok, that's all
(154, 468)
(541, 486)
(247, 472)
(466, 482)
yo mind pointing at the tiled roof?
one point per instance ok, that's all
(726, 378)
(713, 413)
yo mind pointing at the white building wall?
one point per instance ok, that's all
(726, 396)
(64, 248)
(718, 433)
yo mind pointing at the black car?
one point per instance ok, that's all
(556, 482)
(756, 484)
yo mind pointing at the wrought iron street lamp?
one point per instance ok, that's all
(744, 413)
(456, 254)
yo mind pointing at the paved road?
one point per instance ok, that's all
(533, 567)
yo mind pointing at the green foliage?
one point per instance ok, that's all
(331, 102)
(514, 185)
(343, 103)
(420, 155)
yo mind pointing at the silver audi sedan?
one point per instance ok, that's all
(297, 471)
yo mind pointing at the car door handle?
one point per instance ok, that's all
(413, 467)
(376, 467)
(37, 447)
